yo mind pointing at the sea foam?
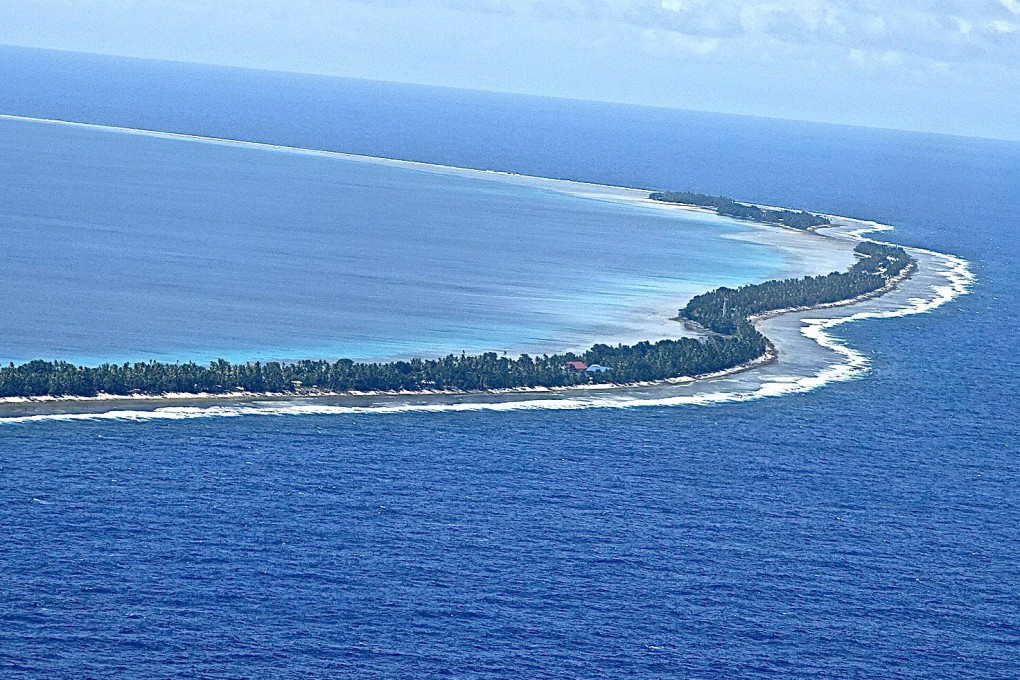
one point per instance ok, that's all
(953, 278)
(955, 272)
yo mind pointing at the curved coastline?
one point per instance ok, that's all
(723, 317)
(944, 278)
(615, 298)
(785, 369)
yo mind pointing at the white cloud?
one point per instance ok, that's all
(674, 42)
(673, 5)
(708, 49)
(875, 24)
(892, 57)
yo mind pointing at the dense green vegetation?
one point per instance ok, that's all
(724, 312)
(798, 219)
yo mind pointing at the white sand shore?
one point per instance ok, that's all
(792, 365)
(803, 356)
(652, 320)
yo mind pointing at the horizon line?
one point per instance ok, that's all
(515, 93)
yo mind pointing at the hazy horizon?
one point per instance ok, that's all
(950, 67)
(513, 93)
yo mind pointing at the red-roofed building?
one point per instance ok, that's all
(577, 365)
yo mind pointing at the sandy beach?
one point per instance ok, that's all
(803, 354)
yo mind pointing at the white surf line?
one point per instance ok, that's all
(959, 280)
(958, 276)
(320, 153)
(956, 273)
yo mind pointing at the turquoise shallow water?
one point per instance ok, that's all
(868, 529)
(121, 247)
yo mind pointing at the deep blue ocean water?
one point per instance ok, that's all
(866, 529)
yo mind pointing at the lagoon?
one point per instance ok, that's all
(871, 525)
(129, 247)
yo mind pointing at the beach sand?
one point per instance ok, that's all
(805, 356)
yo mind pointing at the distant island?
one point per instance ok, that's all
(727, 207)
(724, 315)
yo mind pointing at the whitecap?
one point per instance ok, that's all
(953, 274)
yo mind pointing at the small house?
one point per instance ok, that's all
(576, 365)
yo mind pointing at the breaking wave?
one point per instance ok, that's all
(956, 280)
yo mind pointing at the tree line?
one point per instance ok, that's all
(733, 341)
(727, 207)
(725, 310)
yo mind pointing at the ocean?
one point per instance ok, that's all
(868, 528)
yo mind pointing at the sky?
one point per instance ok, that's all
(950, 66)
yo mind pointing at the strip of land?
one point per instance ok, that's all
(731, 342)
(798, 354)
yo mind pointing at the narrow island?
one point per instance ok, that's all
(725, 317)
(727, 207)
